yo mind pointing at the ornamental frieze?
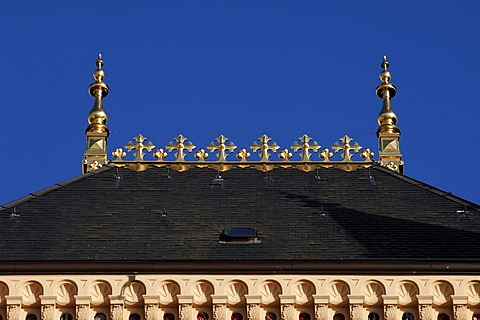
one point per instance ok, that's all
(304, 154)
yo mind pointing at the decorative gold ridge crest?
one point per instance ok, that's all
(310, 154)
(264, 146)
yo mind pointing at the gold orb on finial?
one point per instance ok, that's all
(385, 75)
(99, 74)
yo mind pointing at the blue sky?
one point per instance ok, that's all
(242, 69)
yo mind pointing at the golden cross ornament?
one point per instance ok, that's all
(139, 146)
(180, 146)
(264, 147)
(221, 147)
(305, 146)
(346, 148)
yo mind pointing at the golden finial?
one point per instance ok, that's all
(387, 119)
(97, 131)
(388, 133)
(97, 117)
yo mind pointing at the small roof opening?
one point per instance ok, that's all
(239, 235)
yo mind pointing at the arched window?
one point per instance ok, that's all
(373, 316)
(338, 316)
(134, 316)
(239, 316)
(408, 316)
(476, 316)
(304, 316)
(100, 316)
(443, 316)
(66, 316)
(168, 316)
(31, 317)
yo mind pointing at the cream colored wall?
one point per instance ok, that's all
(48, 296)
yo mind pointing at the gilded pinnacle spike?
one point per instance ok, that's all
(385, 63)
(388, 133)
(97, 131)
(97, 117)
(387, 119)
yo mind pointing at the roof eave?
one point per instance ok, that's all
(243, 267)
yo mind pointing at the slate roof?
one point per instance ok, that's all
(117, 214)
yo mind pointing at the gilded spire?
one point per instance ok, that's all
(387, 119)
(97, 131)
(388, 133)
(97, 117)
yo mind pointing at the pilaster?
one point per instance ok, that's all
(185, 307)
(460, 310)
(116, 307)
(219, 307)
(48, 307)
(321, 307)
(14, 304)
(356, 307)
(253, 307)
(151, 307)
(287, 303)
(390, 307)
(82, 307)
(425, 307)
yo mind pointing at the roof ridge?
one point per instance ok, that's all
(54, 187)
(428, 187)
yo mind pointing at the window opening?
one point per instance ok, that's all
(100, 316)
(66, 316)
(408, 316)
(270, 316)
(373, 316)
